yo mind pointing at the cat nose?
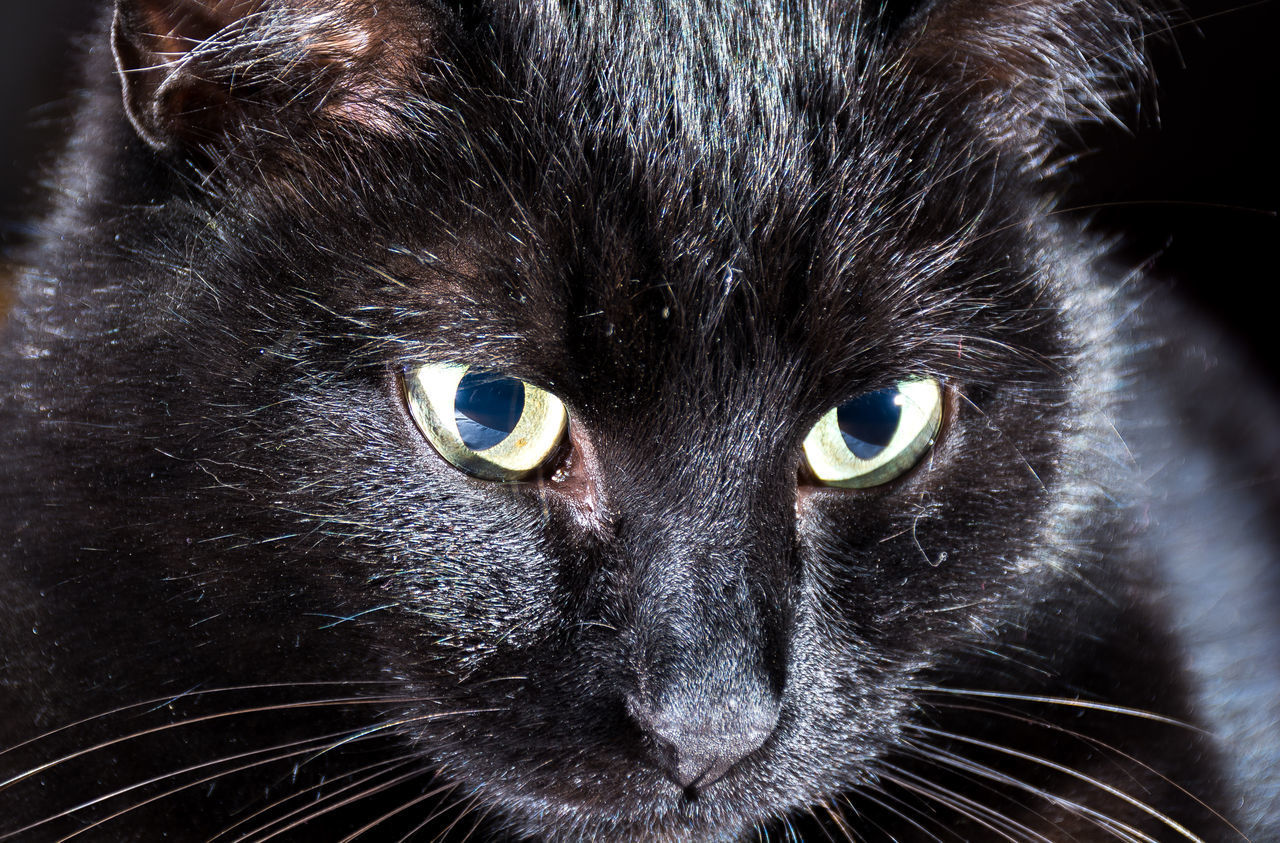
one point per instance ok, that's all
(695, 745)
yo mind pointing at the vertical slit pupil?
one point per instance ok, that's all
(868, 422)
(487, 407)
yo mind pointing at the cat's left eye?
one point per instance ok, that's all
(486, 423)
(875, 437)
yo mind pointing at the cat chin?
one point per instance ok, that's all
(649, 812)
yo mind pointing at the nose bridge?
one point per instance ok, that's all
(710, 579)
(698, 621)
(710, 591)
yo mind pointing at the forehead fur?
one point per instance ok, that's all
(761, 156)
(796, 167)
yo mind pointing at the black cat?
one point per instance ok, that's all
(630, 421)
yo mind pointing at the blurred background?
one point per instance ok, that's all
(1193, 187)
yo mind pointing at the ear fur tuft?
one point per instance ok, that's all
(1033, 67)
(192, 71)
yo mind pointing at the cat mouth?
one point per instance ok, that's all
(569, 787)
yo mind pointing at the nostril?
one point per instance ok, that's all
(696, 744)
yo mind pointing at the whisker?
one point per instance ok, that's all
(837, 817)
(1106, 747)
(968, 809)
(204, 718)
(418, 800)
(1097, 817)
(1064, 701)
(318, 745)
(956, 801)
(380, 787)
(899, 812)
(467, 808)
(312, 744)
(789, 829)
(869, 821)
(984, 783)
(470, 832)
(160, 702)
(1173, 824)
(379, 767)
(1109, 824)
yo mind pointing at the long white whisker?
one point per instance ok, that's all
(161, 702)
(467, 807)
(204, 718)
(1065, 701)
(982, 782)
(900, 812)
(1102, 786)
(1111, 825)
(988, 818)
(870, 821)
(431, 794)
(837, 817)
(319, 745)
(1102, 745)
(350, 799)
(380, 768)
(957, 801)
(311, 745)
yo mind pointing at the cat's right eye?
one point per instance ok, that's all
(488, 424)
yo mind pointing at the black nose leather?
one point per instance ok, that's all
(696, 743)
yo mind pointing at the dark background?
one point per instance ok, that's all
(1192, 189)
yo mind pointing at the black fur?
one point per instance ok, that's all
(242, 594)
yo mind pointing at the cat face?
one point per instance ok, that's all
(678, 244)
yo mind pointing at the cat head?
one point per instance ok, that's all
(687, 238)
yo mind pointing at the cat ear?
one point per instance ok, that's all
(192, 71)
(1029, 68)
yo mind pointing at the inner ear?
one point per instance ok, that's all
(194, 71)
(154, 41)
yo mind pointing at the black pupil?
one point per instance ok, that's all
(869, 421)
(487, 408)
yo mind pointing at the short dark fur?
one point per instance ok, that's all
(241, 592)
